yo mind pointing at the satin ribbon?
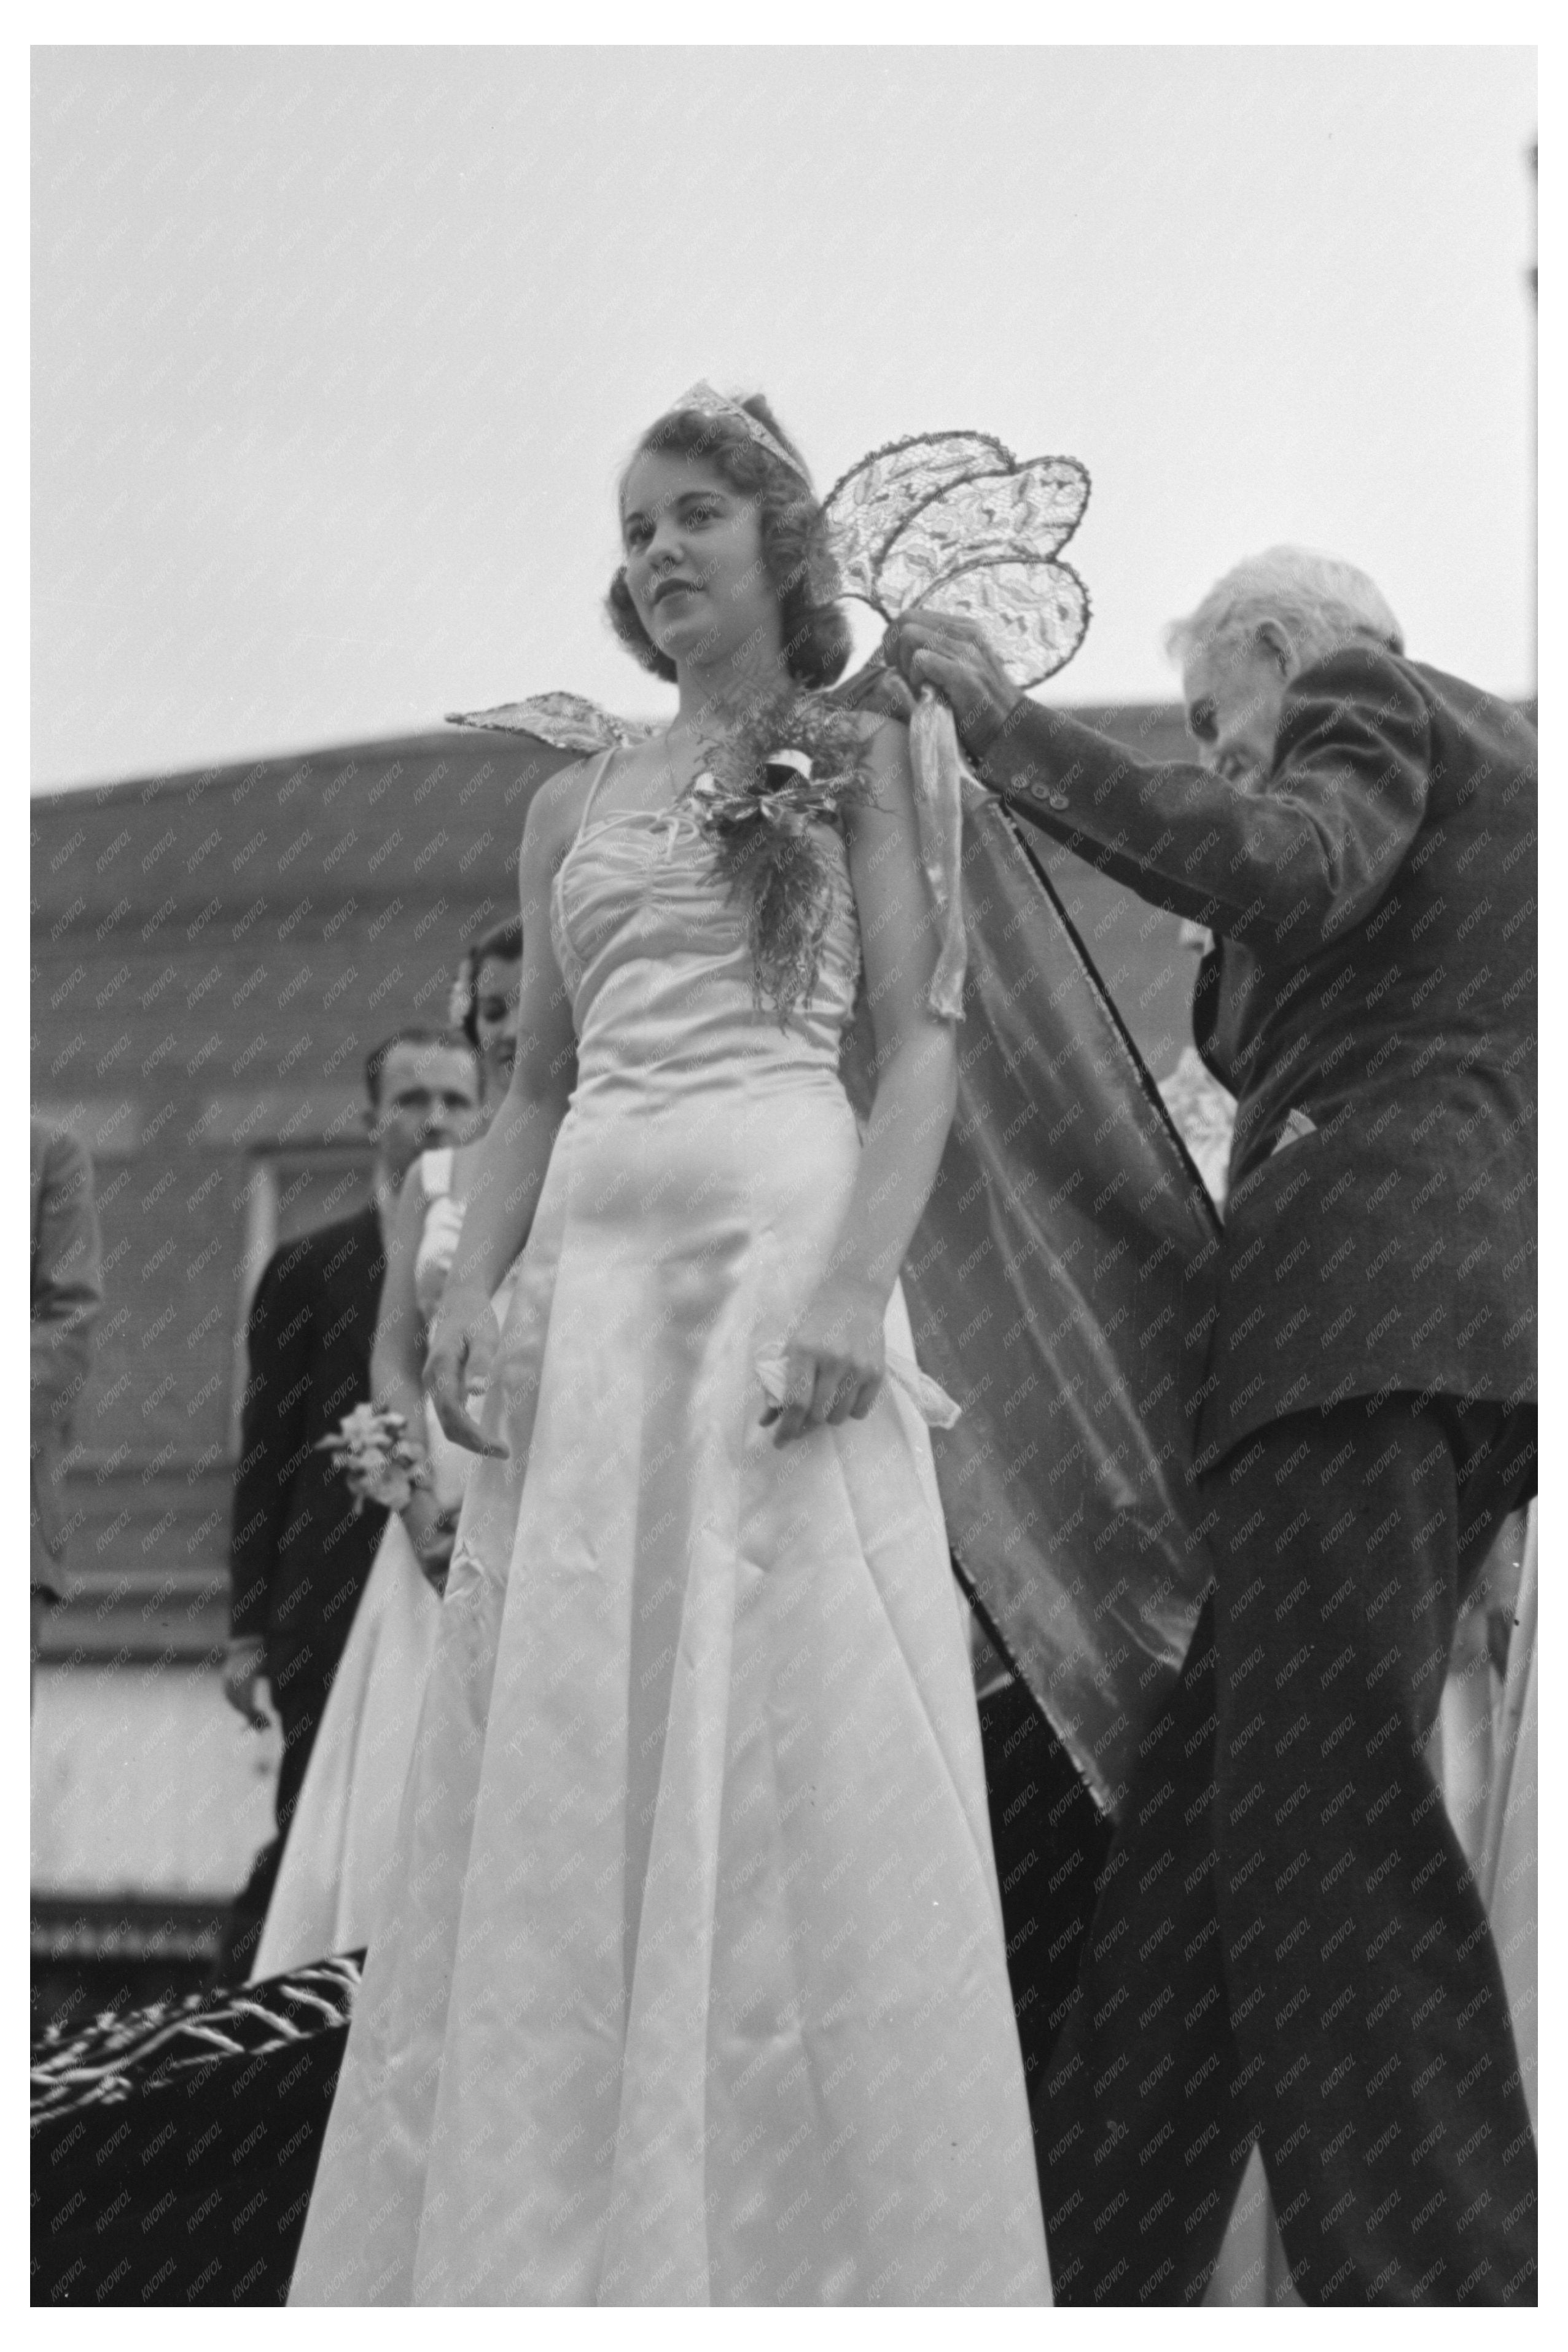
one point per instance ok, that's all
(940, 775)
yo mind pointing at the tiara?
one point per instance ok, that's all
(702, 400)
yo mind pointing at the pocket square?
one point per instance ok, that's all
(1297, 1125)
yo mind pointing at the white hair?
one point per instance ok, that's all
(1316, 601)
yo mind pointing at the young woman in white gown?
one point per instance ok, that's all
(691, 1987)
(342, 1838)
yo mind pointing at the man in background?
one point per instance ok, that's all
(299, 1555)
(66, 1294)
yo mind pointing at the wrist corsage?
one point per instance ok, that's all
(371, 1447)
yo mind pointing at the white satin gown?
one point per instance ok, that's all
(342, 1841)
(691, 1988)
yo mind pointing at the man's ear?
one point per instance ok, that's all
(1272, 642)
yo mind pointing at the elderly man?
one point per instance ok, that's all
(1289, 1948)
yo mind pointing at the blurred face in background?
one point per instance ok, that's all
(429, 1096)
(497, 985)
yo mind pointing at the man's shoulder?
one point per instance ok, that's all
(1361, 672)
(353, 1245)
(314, 1255)
(1505, 729)
(1368, 712)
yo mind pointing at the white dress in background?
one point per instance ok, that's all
(340, 1848)
(691, 1988)
(1510, 1860)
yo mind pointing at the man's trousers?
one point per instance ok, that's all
(299, 1694)
(1289, 1947)
(1050, 1841)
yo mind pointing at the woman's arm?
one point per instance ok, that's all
(508, 1166)
(835, 1354)
(395, 1366)
(395, 1352)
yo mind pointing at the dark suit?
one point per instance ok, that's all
(298, 1554)
(66, 1288)
(1288, 1945)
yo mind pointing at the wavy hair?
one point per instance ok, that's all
(1319, 601)
(795, 549)
(504, 944)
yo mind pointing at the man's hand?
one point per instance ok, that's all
(245, 1669)
(954, 656)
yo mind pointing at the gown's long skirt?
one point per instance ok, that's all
(692, 1986)
(342, 1846)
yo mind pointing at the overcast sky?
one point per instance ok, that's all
(337, 353)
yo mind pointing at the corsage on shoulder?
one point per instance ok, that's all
(371, 1447)
(794, 763)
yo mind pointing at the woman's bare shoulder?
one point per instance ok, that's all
(881, 727)
(865, 722)
(885, 753)
(556, 810)
(887, 739)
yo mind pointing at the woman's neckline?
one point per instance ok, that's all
(606, 765)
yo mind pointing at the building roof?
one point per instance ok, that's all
(368, 820)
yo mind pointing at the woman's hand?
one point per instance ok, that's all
(834, 1357)
(460, 1358)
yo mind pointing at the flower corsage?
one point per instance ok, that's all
(789, 766)
(371, 1447)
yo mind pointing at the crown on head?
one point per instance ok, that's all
(706, 401)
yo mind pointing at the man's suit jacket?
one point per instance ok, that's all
(67, 1290)
(1372, 1006)
(299, 1556)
